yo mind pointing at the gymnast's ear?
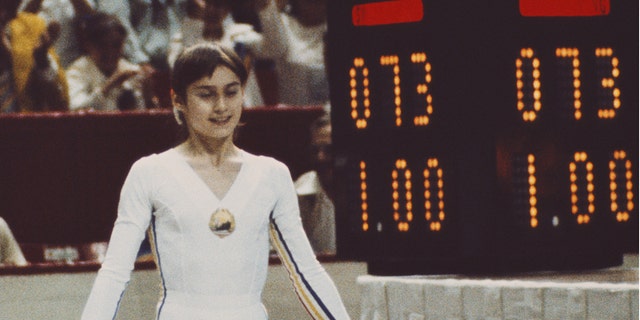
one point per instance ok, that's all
(177, 101)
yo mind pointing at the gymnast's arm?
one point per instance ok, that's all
(134, 216)
(312, 284)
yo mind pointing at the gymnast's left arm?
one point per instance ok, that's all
(312, 284)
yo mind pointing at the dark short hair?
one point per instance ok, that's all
(92, 28)
(201, 60)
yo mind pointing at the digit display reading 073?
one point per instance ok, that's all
(485, 135)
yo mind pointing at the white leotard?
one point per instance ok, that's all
(204, 276)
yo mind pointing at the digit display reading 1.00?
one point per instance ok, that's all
(484, 131)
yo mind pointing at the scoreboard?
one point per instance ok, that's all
(486, 135)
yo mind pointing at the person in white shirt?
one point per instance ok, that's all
(149, 25)
(315, 190)
(295, 41)
(103, 79)
(63, 13)
(210, 209)
(208, 20)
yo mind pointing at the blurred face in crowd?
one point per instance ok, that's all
(322, 155)
(215, 11)
(213, 105)
(107, 52)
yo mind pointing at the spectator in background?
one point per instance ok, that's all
(63, 13)
(315, 190)
(149, 24)
(294, 39)
(154, 22)
(211, 20)
(10, 253)
(31, 79)
(121, 9)
(103, 79)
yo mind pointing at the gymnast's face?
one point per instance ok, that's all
(213, 105)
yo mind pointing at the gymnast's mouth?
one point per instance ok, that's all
(220, 120)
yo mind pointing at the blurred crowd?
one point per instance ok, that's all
(70, 55)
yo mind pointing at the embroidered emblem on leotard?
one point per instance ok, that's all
(222, 223)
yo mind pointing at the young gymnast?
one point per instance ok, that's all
(210, 209)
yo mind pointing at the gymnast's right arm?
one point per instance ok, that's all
(134, 216)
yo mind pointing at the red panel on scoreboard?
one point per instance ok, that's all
(564, 8)
(386, 12)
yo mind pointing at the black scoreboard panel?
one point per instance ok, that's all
(485, 136)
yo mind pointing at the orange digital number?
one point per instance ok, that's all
(392, 61)
(423, 89)
(533, 190)
(529, 98)
(402, 195)
(360, 119)
(359, 83)
(434, 182)
(581, 208)
(364, 206)
(609, 99)
(573, 55)
(529, 86)
(582, 187)
(621, 164)
(402, 173)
